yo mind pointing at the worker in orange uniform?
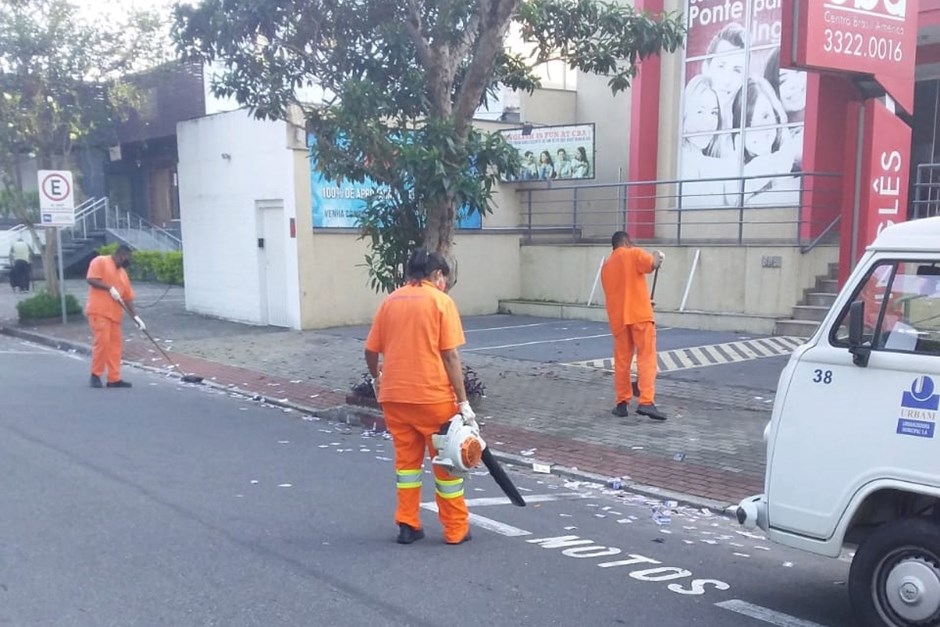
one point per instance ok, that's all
(419, 384)
(630, 314)
(109, 289)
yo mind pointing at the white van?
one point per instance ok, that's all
(853, 449)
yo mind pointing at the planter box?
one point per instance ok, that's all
(362, 401)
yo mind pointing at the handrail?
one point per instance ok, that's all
(813, 244)
(719, 209)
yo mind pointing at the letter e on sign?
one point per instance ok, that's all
(56, 198)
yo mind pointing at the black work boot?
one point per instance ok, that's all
(96, 381)
(650, 411)
(407, 535)
(119, 384)
(621, 410)
(466, 538)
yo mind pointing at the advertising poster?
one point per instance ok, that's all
(553, 152)
(742, 117)
(338, 205)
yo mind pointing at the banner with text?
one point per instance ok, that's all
(338, 205)
(553, 152)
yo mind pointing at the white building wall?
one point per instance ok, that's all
(228, 162)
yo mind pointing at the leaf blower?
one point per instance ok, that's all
(460, 448)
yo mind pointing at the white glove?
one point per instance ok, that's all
(661, 255)
(469, 416)
(377, 384)
(115, 294)
(140, 323)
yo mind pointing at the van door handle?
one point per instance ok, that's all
(260, 242)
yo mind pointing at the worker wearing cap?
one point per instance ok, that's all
(109, 292)
(630, 314)
(419, 384)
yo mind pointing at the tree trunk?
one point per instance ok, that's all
(439, 236)
(49, 263)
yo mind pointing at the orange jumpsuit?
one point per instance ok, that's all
(104, 316)
(630, 314)
(414, 324)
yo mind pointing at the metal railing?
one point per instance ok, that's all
(926, 192)
(126, 224)
(758, 209)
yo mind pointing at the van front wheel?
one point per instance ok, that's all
(895, 576)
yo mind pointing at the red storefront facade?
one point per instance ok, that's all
(871, 114)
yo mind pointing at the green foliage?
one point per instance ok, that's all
(45, 305)
(14, 203)
(152, 265)
(62, 77)
(402, 81)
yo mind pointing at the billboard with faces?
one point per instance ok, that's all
(742, 114)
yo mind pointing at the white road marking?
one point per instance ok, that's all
(487, 523)
(532, 498)
(763, 614)
(14, 352)
(511, 326)
(564, 339)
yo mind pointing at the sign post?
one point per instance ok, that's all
(57, 209)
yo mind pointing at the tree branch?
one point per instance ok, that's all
(413, 24)
(495, 16)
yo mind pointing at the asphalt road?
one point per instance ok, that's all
(178, 505)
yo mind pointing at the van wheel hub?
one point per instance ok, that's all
(913, 590)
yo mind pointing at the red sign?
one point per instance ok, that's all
(882, 191)
(874, 37)
(885, 172)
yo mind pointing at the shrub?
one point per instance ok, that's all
(471, 383)
(45, 305)
(152, 265)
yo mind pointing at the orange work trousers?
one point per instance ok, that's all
(411, 427)
(105, 347)
(640, 339)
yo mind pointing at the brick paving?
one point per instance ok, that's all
(711, 447)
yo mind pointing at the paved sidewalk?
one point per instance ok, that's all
(711, 447)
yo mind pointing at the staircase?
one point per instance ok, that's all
(813, 308)
(96, 223)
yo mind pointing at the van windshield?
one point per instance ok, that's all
(902, 308)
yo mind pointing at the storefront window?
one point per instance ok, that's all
(742, 115)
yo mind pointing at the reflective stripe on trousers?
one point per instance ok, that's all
(449, 488)
(408, 478)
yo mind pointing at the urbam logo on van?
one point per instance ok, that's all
(919, 408)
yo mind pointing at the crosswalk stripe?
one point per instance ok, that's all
(759, 350)
(710, 355)
(700, 356)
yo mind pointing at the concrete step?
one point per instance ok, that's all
(820, 299)
(795, 328)
(810, 312)
(828, 286)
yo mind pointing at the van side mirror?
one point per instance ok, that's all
(860, 351)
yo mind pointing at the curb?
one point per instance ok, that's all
(360, 416)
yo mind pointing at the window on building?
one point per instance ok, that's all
(741, 124)
(902, 309)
